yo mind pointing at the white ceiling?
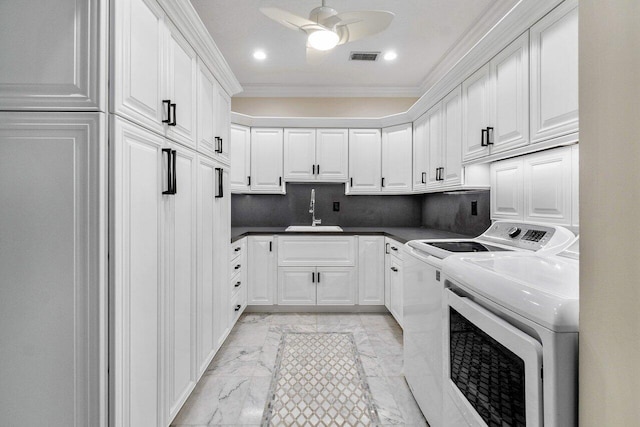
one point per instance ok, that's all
(429, 37)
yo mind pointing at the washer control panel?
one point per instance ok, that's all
(524, 236)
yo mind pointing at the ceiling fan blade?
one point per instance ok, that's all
(316, 57)
(359, 24)
(286, 18)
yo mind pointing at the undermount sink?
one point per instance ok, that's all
(317, 228)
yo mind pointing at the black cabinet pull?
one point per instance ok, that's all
(220, 174)
(314, 170)
(424, 177)
(221, 145)
(386, 248)
(351, 182)
(280, 181)
(313, 277)
(394, 269)
(394, 248)
(318, 277)
(173, 120)
(483, 140)
(237, 285)
(167, 103)
(237, 267)
(382, 182)
(318, 169)
(171, 171)
(489, 135)
(441, 174)
(238, 307)
(270, 246)
(437, 174)
(248, 180)
(238, 249)
(174, 154)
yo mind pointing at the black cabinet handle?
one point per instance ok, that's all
(483, 138)
(386, 248)
(394, 248)
(221, 145)
(437, 174)
(167, 103)
(313, 277)
(173, 120)
(174, 154)
(238, 248)
(237, 285)
(489, 135)
(424, 177)
(238, 307)
(248, 180)
(237, 267)
(270, 246)
(351, 182)
(314, 170)
(394, 269)
(382, 182)
(318, 169)
(318, 277)
(220, 174)
(280, 181)
(171, 171)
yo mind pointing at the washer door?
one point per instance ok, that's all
(492, 369)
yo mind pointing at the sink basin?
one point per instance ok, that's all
(317, 228)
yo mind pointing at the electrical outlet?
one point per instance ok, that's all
(474, 207)
(336, 206)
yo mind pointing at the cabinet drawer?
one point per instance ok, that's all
(235, 310)
(316, 251)
(238, 248)
(236, 265)
(238, 283)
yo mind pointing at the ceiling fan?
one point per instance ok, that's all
(326, 28)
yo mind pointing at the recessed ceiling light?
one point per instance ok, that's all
(390, 56)
(260, 55)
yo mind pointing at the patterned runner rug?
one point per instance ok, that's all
(319, 381)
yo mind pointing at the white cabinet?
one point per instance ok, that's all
(495, 103)
(240, 152)
(222, 124)
(266, 160)
(365, 161)
(420, 146)
(335, 286)
(222, 237)
(238, 282)
(554, 73)
(299, 154)
(326, 251)
(53, 55)
(537, 188)
(262, 270)
(397, 150)
(332, 154)
(393, 278)
(53, 207)
(371, 270)
(207, 93)
(443, 134)
(296, 286)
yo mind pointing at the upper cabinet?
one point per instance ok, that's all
(495, 103)
(266, 160)
(365, 161)
(396, 158)
(554, 73)
(420, 127)
(315, 155)
(240, 147)
(53, 55)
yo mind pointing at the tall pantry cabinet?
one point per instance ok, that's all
(114, 210)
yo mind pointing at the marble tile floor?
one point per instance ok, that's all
(234, 390)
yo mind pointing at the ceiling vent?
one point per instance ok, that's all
(364, 56)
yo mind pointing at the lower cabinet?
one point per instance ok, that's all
(393, 267)
(371, 270)
(316, 286)
(262, 270)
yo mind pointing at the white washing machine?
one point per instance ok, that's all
(511, 339)
(423, 289)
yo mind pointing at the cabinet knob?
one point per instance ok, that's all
(237, 307)
(394, 269)
(238, 248)
(237, 285)
(394, 248)
(236, 267)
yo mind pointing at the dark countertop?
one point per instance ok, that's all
(401, 234)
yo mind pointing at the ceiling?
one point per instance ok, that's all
(429, 37)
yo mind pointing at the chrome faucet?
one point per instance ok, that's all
(312, 209)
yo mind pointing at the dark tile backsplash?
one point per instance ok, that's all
(450, 212)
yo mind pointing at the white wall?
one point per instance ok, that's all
(610, 213)
(321, 107)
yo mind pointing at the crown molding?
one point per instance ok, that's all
(307, 91)
(185, 17)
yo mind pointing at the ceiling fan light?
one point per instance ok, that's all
(323, 39)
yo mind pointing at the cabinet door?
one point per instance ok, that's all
(266, 160)
(365, 156)
(451, 173)
(221, 239)
(53, 55)
(370, 270)
(336, 285)
(433, 135)
(296, 286)
(554, 73)
(240, 175)
(299, 154)
(262, 274)
(182, 81)
(138, 279)
(138, 58)
(206, 110)
(547, 187)
(332, 154)
(397, 150)
(53, 285)
(507, 190)
(181, 273)
(420, 166)
(510, 107)
(222, 123)
(395, 293)
(476, 109)
(206, 253)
